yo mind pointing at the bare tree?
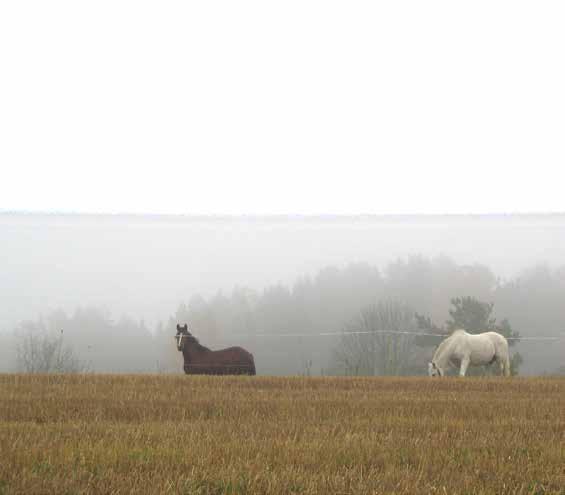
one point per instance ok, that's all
(368, 345)
(40, 351)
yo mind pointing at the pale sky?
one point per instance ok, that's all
(282, 107)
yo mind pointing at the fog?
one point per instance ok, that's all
(143, 267)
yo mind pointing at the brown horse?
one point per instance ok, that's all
(199, 360)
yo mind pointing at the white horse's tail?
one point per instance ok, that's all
(505, 358)
(502, 354)
(507, 365)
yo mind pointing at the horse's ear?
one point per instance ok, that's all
(186, 327)
(178, 327)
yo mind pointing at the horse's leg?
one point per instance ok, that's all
(464, 366)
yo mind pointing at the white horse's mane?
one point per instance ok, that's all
(444, 343)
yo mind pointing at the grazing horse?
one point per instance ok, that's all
(463, 349)
(199, 360)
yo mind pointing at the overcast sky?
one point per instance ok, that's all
(282, 107)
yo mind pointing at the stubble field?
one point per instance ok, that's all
(214, 435)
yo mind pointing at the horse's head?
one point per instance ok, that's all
(434, 369)
(182, 336)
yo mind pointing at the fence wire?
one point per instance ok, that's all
(391, 332)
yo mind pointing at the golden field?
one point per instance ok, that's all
(71, 434)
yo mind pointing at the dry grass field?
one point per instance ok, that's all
(213, 435)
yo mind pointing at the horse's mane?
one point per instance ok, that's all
(444, 343)
(441, 345)
(197, 345)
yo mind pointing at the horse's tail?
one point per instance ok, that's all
(505, 358)
(507, 365)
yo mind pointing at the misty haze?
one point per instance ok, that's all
(148, 271)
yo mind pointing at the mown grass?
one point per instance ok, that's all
(239, 435)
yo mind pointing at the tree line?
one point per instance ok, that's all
(418, 294)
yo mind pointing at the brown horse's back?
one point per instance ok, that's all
(230, 361)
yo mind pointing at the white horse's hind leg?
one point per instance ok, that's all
(464, 366)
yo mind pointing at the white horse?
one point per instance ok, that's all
(462, 349)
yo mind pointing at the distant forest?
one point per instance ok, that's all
(266, 322)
